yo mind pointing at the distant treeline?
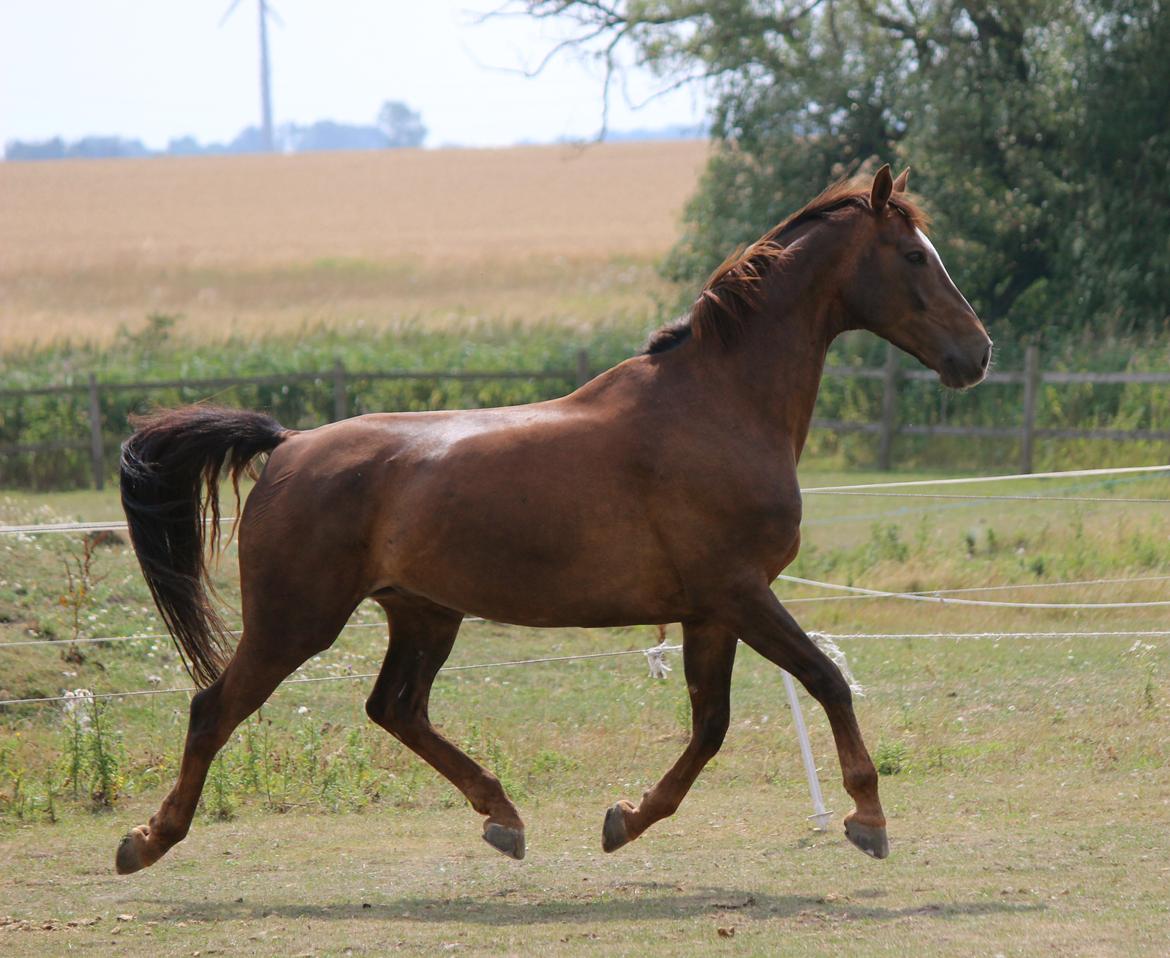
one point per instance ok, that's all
(397, 126)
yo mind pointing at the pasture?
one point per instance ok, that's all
(249, 245)
(1025, 779)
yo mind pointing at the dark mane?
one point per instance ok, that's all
(731, 293)
(674, 333)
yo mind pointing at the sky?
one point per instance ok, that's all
(157, 69)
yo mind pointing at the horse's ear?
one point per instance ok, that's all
(902, 180)
(883, 183)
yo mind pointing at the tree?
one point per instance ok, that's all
(1030, 124)
(53, 149)
(401, 125)
(329, 135)
(1119, 246)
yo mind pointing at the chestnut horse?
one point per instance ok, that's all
(665, 490)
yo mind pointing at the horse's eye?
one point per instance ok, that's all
(916, 256)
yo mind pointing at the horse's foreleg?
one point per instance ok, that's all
(421, 637)
(765, 625)
(708, 657)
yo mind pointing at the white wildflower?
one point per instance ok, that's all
(76, 706)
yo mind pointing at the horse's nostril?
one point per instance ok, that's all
(983, 363)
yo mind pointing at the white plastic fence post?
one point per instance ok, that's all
(820, 816)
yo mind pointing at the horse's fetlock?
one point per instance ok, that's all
(165, 835)
(861, 781)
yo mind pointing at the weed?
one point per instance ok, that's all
(51, 797)
(486, 748)
(218, 794)
(549, 762)
(105, 776)
(890, 758)
(309, 740)
(76, 725)
(1147, 552)
(971, 542)
(885, 544)
(80, 581)
(253, 761)
(922, 534)
(1143, 655)
(357, 764)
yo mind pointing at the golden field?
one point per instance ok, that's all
(270, 243)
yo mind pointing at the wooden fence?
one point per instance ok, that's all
(891, 376)
(1032, 377)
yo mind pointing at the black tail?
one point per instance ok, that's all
(170, 491)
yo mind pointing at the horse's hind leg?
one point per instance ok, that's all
(266, 655)
(421, 637)
(708, 657)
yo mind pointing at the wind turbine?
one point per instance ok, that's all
(265, 71)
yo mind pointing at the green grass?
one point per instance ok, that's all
(1025, 780)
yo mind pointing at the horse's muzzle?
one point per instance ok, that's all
(962, 369)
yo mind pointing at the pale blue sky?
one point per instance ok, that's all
(156, 69)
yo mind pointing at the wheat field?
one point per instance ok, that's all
(273, 243)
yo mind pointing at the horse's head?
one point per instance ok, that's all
(901, 291)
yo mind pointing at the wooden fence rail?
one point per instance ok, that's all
(887, 429)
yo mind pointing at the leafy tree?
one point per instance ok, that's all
(1038, 130)
(87, 148)
(330, 135)
(1118, 246)
(53, 149)
(401, 125)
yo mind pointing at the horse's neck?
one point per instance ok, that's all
(785, 369)
(781, 356)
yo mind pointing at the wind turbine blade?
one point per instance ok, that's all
(273, 15)
(230, 10)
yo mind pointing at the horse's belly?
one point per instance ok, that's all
(524, 554)
(537, 580)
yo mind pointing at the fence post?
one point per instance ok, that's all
(96, 454)
(582, 367)
(340, 405)
(889, 409)
(1031, 390)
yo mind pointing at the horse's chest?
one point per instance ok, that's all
(766, 525)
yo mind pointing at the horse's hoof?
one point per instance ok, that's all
(871, 839)
(614, 833)
(130, 856)
(510, 841)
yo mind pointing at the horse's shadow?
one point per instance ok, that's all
(633, 901)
